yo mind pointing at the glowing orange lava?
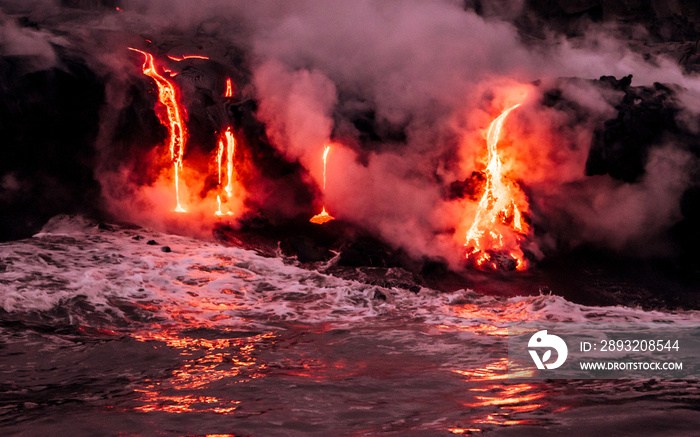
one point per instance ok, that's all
(218, 201)
(499, 208)
(229, 88)
(219, 156)
(230, 146)
(323, 216)
(182, 58)
(325, 160)
(173, 119)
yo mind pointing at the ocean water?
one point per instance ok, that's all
(110, 330)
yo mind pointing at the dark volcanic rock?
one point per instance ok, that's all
(367, 251)
(675, 20)
(379, 295)
(646, 118)
(49, 123)
(471, 188)
(687, 233)
(305, 249)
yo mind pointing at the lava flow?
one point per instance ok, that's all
(182, 58)
(173, 119)
(498, 209)
(230, 147)
(229, 88)
(323, 216)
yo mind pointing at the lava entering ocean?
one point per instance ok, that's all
(230, 148)
(500, 211)
(173, 119)
(492, 241)
(218, 320)
(323, 216)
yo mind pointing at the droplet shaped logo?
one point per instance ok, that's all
(543, 340)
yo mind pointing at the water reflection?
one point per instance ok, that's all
(184, 404)
(492, 319)
(206, 317)
(209, 364)
(500, 404)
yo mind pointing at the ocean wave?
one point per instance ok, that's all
(130, 275)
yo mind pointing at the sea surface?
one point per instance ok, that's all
(112, 330)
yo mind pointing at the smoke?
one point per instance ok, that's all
(33, 44)
(403, 91)
(628, 217)
(439, 75)
(296, 107)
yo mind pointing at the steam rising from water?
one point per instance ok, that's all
(426, 78)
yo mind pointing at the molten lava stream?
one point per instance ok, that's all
(230, 148)
(183, 57)
(173, 119)
(323, 216)
(498, 209)
(229, 88)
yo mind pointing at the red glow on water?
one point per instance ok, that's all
(185, 404)
(488, 320)
(510, 400)
(510, 397)
(207, 362)
(466, 431)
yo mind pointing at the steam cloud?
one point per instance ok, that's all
(404, 91)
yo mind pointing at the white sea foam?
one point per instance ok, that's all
(207, 283)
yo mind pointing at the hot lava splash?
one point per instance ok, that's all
(494, 237)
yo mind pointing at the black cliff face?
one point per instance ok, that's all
(49, 120)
